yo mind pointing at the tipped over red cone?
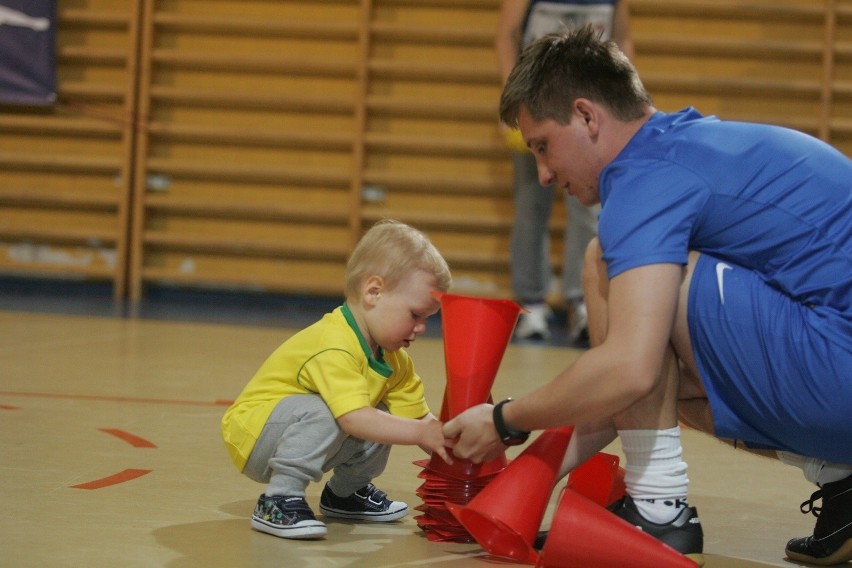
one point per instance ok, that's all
(599, 479)
(505, 516)
(585, 535)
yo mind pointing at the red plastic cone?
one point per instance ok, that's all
(584, 534)
(465, 469)
(599, 479)
(476, 332)
(505, 516)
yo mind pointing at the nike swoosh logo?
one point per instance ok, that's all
(721, 267)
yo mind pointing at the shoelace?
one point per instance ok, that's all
(809, 507)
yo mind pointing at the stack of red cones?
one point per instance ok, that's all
(476, 332)
(506, 516)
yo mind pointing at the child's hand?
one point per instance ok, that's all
(433, 439)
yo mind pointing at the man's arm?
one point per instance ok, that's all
(508, 38)
(621, 31)
(603, 381)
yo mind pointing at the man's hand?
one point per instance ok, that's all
(477, 439)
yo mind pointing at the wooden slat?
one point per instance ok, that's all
(205, 134)
(400, 33)
(438, 183)
(249, 173)
(436, 145)
(441, 221)
(90, 91)
(65, 163)
(56, 199)
(736, 48)
(728, 9)
(65, 235)
(314, 30)
(90, 272)
(359, 148)
(455, 110)
(91, 18)
(338, 104)
(136, 253)
(82, 55)
(245, 247)
(417, 71)
(315, 67)
(274, 283)
(476, 259)
(725, 86)
(330, 213)
(61, 125)
(456, 4)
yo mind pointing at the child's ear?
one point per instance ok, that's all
(373, 289)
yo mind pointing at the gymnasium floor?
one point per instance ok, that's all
(111, 455)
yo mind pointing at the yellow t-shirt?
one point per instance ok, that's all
(329, 358)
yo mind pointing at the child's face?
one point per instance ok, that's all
(399, 315)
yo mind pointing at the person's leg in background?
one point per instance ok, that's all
(581, 227)
(530, 248)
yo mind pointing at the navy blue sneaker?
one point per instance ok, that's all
(367, 504)
(287, 517)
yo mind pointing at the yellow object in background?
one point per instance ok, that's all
(515, 141)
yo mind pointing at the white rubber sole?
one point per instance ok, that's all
(306, 530)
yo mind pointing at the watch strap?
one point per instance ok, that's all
(508, 436)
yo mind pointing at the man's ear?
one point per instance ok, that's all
(587, 112)
(373, 287)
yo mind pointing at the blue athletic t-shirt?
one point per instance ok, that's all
(763, 197)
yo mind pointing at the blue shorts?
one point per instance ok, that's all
(772, 380)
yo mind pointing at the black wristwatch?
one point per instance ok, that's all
(509, 437)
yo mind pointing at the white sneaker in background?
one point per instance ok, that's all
(580, 322)
(533, 325)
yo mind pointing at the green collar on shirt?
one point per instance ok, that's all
(377, 363)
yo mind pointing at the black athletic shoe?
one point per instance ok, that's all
(287, 517)
(831, 542)
(684, 533)
(367, 504)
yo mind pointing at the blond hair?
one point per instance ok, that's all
(393, 250)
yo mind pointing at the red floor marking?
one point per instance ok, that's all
(121, 477)
(7, 407)
(131, 439)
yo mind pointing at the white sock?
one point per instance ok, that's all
(655, 474)
(816, 470)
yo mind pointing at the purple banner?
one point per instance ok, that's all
(27, 52)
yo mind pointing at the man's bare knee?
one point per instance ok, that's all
(595, 278)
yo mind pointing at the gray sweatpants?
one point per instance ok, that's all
(530, 246)
(301, 441)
